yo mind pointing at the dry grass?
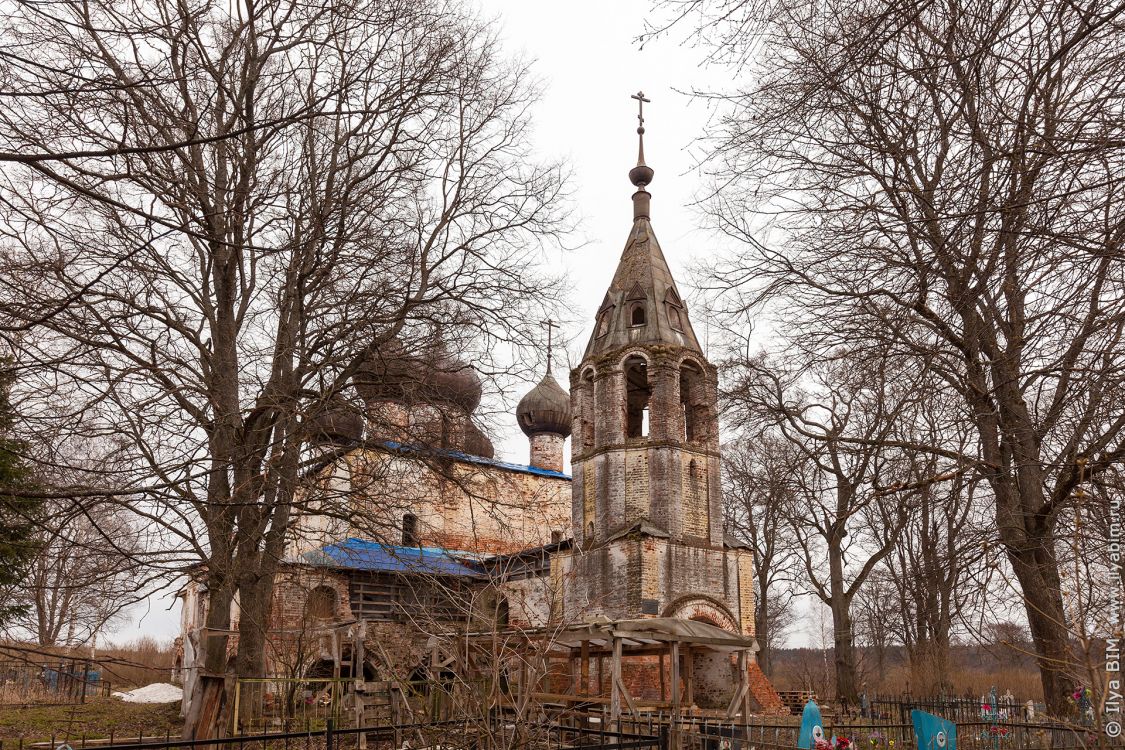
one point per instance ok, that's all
(137, 663)
(97, 718)
(974, 671)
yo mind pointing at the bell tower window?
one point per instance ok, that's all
(637, 315)
(637, 395)
(693, 403)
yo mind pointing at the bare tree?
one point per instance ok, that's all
(841, 421)
(250, 201)
(83, 578)
(759, 497)
(946, 179)
(879, 625)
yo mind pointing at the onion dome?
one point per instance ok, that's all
(336, 424)
(477, 443)
(545, 408)
(454, 382)
(391, 373)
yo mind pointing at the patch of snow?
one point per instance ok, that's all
(157, 692)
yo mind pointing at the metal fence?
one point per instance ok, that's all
(479, 735)
(24, 682)
(702, 733)
(954, 709)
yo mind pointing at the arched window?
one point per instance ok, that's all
(603, 320)
(637, 394)
(674, 318)
(637, 314)
(675, 307)
(503, 612)
(321, 603)
(589, 531)
(410, 530)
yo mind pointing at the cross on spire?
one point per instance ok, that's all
(550, 325)
(641, 101)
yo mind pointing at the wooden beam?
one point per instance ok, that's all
(675, 681)
(615, 695)
(585, 666)
(674, 730)
(742, 694)
(689, 676)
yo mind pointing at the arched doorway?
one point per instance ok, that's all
(714, 677)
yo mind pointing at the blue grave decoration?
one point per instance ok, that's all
(933, 732)
(812, 728)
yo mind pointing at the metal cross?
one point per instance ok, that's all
(641, 101)
(550, 324)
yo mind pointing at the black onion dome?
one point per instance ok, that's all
(477, 443)
(452, 381)
(336, 424)
(391, 373)
(545, 408)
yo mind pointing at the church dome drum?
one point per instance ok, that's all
(545, 408)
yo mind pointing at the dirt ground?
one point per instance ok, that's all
(97, 718)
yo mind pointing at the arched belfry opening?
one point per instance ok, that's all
(693, 402)
(637, 314)
(638, 394)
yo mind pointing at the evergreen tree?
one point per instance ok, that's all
(17, 510)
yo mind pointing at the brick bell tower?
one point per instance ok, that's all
(646, 506)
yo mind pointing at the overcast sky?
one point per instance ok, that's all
(585, 54)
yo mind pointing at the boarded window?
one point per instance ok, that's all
(321, 604)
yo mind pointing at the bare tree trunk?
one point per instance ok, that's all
(843, 644)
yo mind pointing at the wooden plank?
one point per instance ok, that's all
(615, 682)
(741, 695)
(585, 657)
(689, 676)
(675, 681)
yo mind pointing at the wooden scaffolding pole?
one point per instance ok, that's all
(614, 692)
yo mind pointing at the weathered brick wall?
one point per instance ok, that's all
(663, 476)
(292, 587)
(547, 451)
(457, 504)
(529, 601)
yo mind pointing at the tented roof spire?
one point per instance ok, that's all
(642, 305)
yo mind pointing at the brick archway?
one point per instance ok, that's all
(713, 673)
(705, 609)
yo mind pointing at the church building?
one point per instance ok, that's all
(440, 536)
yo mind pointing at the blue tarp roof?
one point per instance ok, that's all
(482, 460)
(360, 554)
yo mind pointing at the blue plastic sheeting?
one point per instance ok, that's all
(360, 554)
(481, 460)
